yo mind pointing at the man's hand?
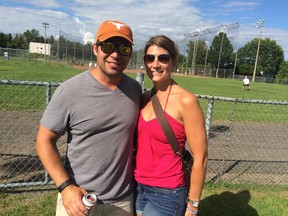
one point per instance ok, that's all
(72, 200)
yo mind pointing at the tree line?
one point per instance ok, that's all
(62, 48)
(219, 55)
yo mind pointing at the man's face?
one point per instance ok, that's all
(113, 55)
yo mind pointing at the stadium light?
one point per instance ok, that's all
(260, 24)
(45, 25)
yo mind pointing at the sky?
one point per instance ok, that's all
(178, 19)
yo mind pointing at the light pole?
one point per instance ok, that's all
(206, 57)
(260, 24)
(236, 55)
(187, 58)
(220, 51)
(195, 34)
(45, 25)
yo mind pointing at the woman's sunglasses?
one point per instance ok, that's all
(163, 58)
(109, 47)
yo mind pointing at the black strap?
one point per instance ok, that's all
(64, 185)
(166, 127)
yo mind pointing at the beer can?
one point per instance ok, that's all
(89, 200)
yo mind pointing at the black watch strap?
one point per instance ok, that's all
(64, 185)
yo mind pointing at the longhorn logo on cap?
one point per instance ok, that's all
(118, 25)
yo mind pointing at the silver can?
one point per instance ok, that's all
(89, 200)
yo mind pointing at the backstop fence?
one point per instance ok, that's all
(247, 138)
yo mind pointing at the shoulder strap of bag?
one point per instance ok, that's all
(166, 127)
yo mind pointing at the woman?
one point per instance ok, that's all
(161, 185)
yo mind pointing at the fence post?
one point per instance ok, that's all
(48, 93)
(209, 115)
(140, 79)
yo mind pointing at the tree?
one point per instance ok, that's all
(270, 57)
(283, 72)
(31, 35)
(5, 40)
(19, 41)
(200, 53)
(221, 43)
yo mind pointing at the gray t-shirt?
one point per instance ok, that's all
(100, 124)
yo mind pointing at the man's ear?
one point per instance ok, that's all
(95, 49)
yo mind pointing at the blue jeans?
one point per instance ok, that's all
(154, 201)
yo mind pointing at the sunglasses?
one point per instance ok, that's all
(163, 58)
(109, 47)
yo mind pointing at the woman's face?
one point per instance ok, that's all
(158, 63)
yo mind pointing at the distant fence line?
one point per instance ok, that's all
(247, 138)
(136, 63)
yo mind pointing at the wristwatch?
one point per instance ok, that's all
(193, 203)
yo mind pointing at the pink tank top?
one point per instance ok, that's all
(156, 163)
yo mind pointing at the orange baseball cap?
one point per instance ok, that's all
(114, 28)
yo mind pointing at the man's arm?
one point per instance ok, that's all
(50, 157)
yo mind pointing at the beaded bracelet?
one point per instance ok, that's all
(64, 185)
(192, 212)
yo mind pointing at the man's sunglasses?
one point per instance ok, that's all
(109, 47)
(163, 58)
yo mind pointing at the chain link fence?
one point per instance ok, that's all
(247, 138)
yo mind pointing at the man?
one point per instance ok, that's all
(98, 109)
(246, 83)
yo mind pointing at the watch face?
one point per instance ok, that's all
(193, 203)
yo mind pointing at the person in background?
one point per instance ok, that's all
(160, 180)
(99, 110)
(246, 84)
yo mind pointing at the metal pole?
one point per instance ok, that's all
(219, 57)
(187, 59)
(260, 24)
(206, 57)
(194, 52)
(58, 46)
(140, 80)
(236, 56)
(45, 25)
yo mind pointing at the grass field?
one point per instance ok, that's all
(218, 199)
(37, 71)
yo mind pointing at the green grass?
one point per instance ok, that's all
(233, 88)
(28, 203)
(38, 71)
(218, 199)
(24, 97)
(35, 71)
(226, 199)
